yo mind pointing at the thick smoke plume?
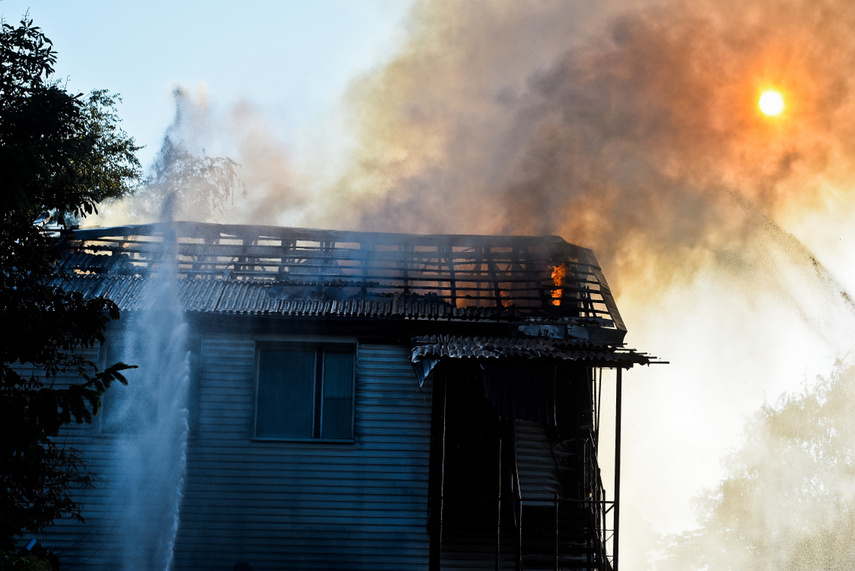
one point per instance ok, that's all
(630, 132)
(637, 132)
(634, 131)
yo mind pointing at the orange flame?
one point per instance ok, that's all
(504, 298)
(558, 273)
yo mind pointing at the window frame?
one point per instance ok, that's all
(318, 347)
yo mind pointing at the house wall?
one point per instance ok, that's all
(279, 504)
(84, 545)
(304, 505)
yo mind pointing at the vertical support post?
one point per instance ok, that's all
(518, 501)
(499, 510)
(437, 463)
(452, 278)
(557, 536)
(407, 249)
(516, 493)
(618, 398)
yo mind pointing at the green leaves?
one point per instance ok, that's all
(26, 58)
(60, 153)
(787, 501)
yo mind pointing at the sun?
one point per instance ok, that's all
(771, 103)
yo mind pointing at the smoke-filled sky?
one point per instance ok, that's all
(631, 128)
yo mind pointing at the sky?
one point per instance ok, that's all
(291, 59)
(628, 127)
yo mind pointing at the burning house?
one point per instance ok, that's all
(350, 400)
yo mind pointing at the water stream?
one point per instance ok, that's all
(149, 418)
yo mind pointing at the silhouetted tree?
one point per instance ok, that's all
(60, 155)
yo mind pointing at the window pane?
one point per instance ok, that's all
(338, 395)
(286, 381)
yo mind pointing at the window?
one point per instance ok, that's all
(304, 392)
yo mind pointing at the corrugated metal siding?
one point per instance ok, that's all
(536, 463)
(304, 505)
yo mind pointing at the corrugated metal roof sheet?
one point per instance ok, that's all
(462, 347)
(233, 297)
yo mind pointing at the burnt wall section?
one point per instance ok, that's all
(516, 483)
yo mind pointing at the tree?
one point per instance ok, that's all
(195, 186)
(60, 155)
(788, 499)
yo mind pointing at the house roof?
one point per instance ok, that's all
(261, 269)
(538, 286)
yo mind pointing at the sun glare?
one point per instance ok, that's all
(771, 102)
